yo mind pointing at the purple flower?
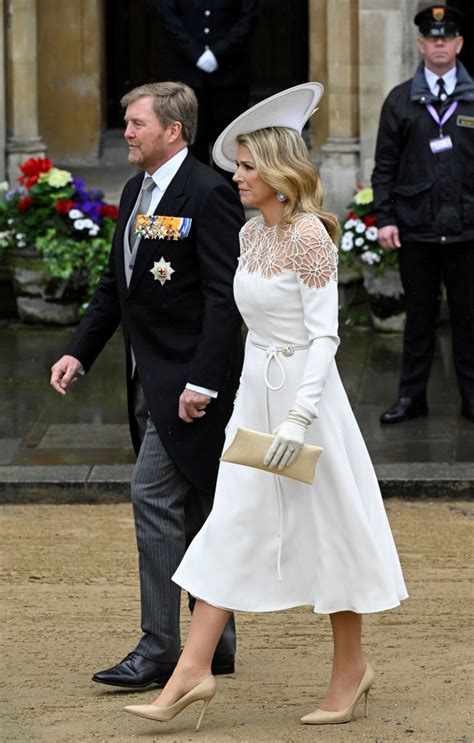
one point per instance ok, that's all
(91, 209)
(78, 185)
(95, 194)
(14, 191)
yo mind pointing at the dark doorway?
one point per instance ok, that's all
(134, 43)
(467, 52)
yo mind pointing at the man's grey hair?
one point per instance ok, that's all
(172, 101)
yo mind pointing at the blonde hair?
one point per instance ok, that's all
(171, 102)
(283, 161)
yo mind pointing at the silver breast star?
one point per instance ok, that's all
(162, 270)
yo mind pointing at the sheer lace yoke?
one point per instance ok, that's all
(303, 246)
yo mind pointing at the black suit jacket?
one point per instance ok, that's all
(222, 25)
(187, 330)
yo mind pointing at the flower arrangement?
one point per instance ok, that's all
(359, 233)
(53, 214)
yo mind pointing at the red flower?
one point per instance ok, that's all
(24, 203)
(32, 170)
(369, 220)
(108, 210)
(351, 215)
(63, 206)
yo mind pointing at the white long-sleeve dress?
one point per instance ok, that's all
(271, 542)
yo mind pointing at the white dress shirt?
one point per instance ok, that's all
(449, 80)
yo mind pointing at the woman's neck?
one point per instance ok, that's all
(272, 212)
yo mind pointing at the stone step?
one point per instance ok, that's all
(111, 483)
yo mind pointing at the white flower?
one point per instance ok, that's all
(360, 226)
(19, 236)
(4, 186)
(75, 214)
(370, 257)
(79, 224)
(371, 233)
(359, 241)
(349, 224)
(21, 244)
(87, 224)
(347, 242)
(56, 178)
(94, 230)
(10, 221)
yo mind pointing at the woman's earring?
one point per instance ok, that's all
(281, 196)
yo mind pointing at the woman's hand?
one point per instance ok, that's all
(289, 439)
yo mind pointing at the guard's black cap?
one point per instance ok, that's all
(439, 20)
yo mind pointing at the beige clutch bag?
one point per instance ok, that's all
(249, 448)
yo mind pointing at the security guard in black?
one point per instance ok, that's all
(423, 184)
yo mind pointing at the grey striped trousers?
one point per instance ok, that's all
(168, 514)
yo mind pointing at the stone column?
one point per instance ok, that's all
(318, 73)
(22, 95)
(340, 153)
(71, 72)
(3, 134)
(386, 58)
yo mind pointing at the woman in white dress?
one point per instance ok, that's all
(271, 542)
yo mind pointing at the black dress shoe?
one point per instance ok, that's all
(403, 409)
(222, 664)
(467, 409)
(135, 671)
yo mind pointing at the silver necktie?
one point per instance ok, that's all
(142, 208)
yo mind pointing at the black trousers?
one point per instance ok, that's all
(217, 108)
(424, 267)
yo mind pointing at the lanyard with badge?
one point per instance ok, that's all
(441, 143)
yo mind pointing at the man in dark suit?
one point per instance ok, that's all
(208, 49)
(169, 285)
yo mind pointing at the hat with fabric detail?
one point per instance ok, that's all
(439, 20)
(290, 108)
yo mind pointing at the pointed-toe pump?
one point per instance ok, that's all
(203, 692)
(325, 717)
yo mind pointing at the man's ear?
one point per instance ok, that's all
(175, 130)
(459, 44)
(421, 45)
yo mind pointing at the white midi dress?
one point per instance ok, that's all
(271, 542)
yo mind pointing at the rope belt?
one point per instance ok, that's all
(272, 355)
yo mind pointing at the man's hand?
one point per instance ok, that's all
(192, 405)
(389, 237)
(64, 373)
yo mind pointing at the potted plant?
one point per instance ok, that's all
(57, 236)
(359, 245)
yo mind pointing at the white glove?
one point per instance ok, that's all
(289, 439)
(207, 62)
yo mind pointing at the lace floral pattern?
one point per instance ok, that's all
(304, 246)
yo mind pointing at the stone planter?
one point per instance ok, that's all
(386, 298)
(40, 297)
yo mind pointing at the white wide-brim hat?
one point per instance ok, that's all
(290, 108)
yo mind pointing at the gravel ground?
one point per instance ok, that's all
(71, 606)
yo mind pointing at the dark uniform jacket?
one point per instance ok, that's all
(186, 330)
(192, 26)
(430, 197)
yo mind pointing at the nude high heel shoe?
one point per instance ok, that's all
(203, 692)
(325, 717)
